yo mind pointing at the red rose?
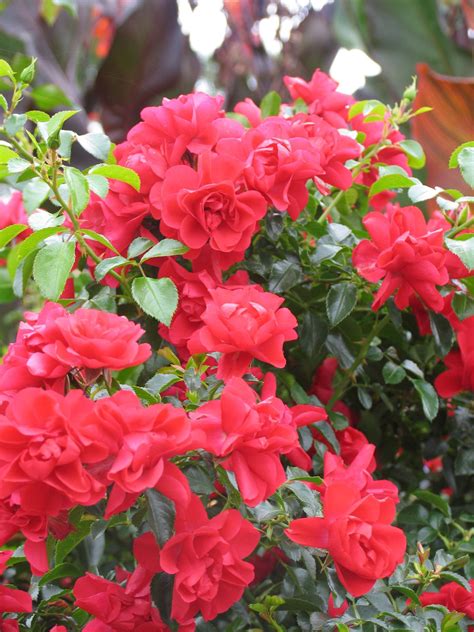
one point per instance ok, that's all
(335, 611)
(243, 324)
(210, 574)
(12, 600)
(40, 462)
(459, 376)
(250, 435)
(357, 534)
(407, 253)
(320, 93)
(95, 339)
(453, 596)
(210, 206)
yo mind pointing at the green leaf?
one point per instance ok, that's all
(66, 139)
(34, 194)
(340, 302)
(6, 70)
(434, 500)
(414, 151)
(59, 572)
(10, 232)
(161, 591)
(91, 234)
(138, 246)
(42, 219)
(3, 103)
(116, 172)
(454, 158)
(463, 248)
(64, 547)
(312, 333)
(328, 433)
(52, 266)
(96, 144)
(393, 373)
(429, 398)
(408, 592)
(98, 184)
(466, 164)
(392, 181)
(367, 107)
(106, 265)
(157, 297)
(18, 165)
(442, 333)
(78, 189)
(37, 116)
(284, 275)
(420, 192)
(455, 577)
(165, 248)
(161, 515)
(50, 128)
(14, 123)
(48, 97)
(6, 154)
(270, 104)
(463, 306)
(29, 245)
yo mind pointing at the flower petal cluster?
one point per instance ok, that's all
(453, 597)
(459, 376)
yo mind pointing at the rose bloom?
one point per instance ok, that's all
(356, 532)
(320, 93)
(250, 435)
(407, 253)
(243, 324)
(459, 376)
(41, 464)
(12, 600)
(210, 206)
(454, 597)
(95, 339)
(207, 562)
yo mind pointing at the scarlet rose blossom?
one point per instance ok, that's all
(250, 435)
(95, 339)
(459, 376)
(278, 163)
(41, 464)
(321, 94)
(336, 611)
(356, 532)
(193, 290)
(210, 206)
(207, 562)
(12, 600)
(322, 387)
(265, 563)
(453, 597)
(243, 324)
(406, 253)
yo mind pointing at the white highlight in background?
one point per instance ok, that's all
(351, 67)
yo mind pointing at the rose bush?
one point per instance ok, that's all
(240, 394)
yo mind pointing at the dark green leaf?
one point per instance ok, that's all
(52, 266)
(442, 333)
(392, 373)
(157, 297)
(64, 547)
(408, 592)
(162, 594)
(464, 464)
(166, 248)
(435, 500)
(59, 572)
(455, 577)
(328, 433)
(312, 334)
(429, 398)
(161, 515)
(340, 302)
(48, 97)
(463, 306)
(284, 275)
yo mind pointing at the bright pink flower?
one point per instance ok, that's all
(41, 465)
(210, 206)
(210, 574)
(243, 324)
(459, 376)
(356, 532)
(407, 253)
(12, 600)
(95, 339)
(278, 163)
(250, 110)
(13, 212)
(320, 93)
(453, 596)
(250, 435)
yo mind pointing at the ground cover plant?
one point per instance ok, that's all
(239, 396)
